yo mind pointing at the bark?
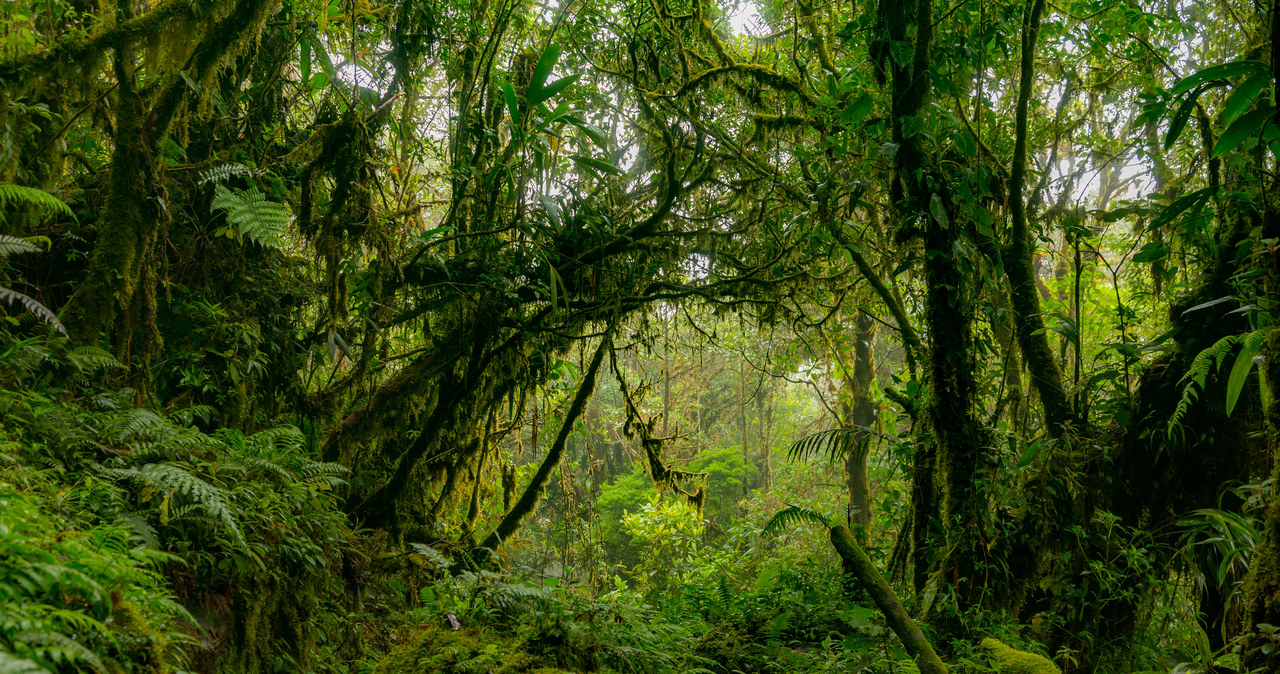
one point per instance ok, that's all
(857, 563)
(1033, 339)
(862, 414)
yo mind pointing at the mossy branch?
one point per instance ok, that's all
(913, 640)
(80, 47)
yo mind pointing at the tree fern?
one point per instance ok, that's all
(791, 516)
(251, 216)
(61, 650)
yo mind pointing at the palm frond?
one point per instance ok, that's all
(835, 443)
(791, 516)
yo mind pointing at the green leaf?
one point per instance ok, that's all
(857, 110)
(552, 89)
(1218, 72)
(1181, 204)
(1240, 371)
(541, 72)
(305, 60)
(1242, 129)
(596, 165)
(513, 106)
(1180, 118)
(319, 81)
(938, 210)
(1244, 96)
(1151, 252)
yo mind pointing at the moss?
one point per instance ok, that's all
(138, 643)
(1013, 661)
(468, 651)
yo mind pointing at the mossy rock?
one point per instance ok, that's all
(467, 651)
(1013, 661)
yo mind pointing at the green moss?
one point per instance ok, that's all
(1012, 661)
(468, 651)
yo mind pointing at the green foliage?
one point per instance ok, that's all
(17, 195)
(1013, 661)
(790, 517)
(250, 216)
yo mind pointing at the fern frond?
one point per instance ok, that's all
(250, 215)
(13, 245)
(225, 172)
(791, 516)
(30, 196)
(437, 560)
(62, 650)
(1196, 378)
(34, 306)
(93, 359)
(134, 423)
(181, 481)
(834, 443)
(14, 665)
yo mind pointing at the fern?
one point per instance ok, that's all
(30, 196)
(90, 359)
(791, 516)
(169, 477)
(61, 649)
(10, 664)
(250, 216)
(34, 306)
(13, 245)
(225, 172)
(1208, 362)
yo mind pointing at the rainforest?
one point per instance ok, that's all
(639, 336)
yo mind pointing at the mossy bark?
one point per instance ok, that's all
(858, 564)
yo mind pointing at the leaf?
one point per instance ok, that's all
(1242, 129)
(319, 81)
(1240, 371)
(552, 89)
(513, 106)
(1244, 96)
(596, 165)
(1218, 72)
(1179, 120)
(1206, 305)
(1180, 205)
(31, 196)
(791, 516)
(938, 210)
(857, 110)
(305, 60)
(541, 72)
(1151, 252)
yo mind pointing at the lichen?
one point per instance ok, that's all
(1013, 661)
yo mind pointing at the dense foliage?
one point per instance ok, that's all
(658, 335)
